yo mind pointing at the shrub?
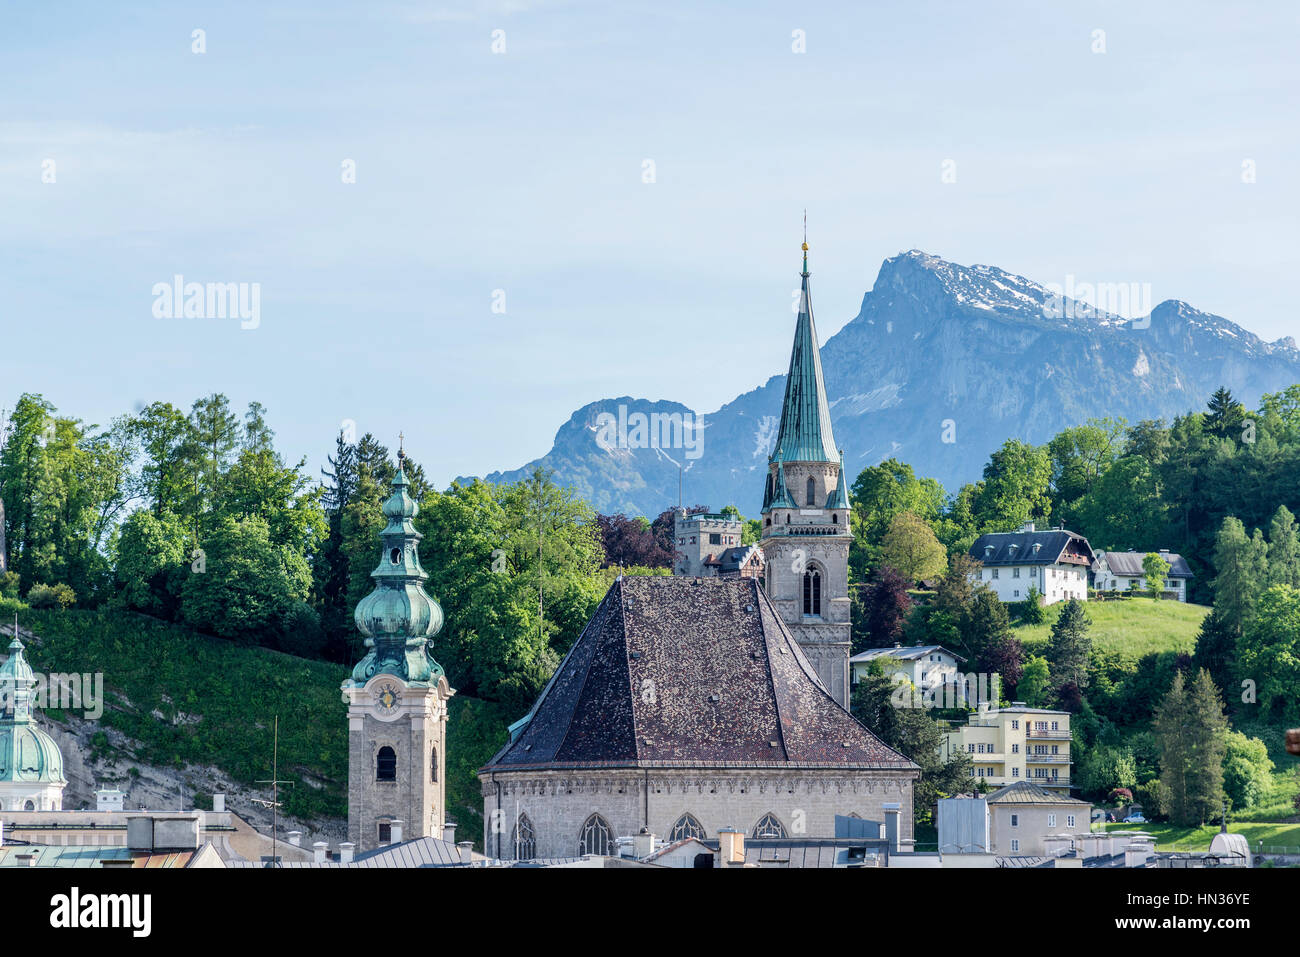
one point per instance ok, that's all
(1120, 796)
(51, 596)
(9, 585)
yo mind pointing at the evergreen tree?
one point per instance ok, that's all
(1216, 649)
(1283, 549)
(1241, 563)
(1069, 647)
(1190, 726)
(1226, 415)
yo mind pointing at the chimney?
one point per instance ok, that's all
(731, 847)
(318, 851)
(219, 803)
(1137, 854)
(449, 831)
(395, 832)
(345, 852)
(644, 844)
(891, 827)
(295, 838)
(466, 849)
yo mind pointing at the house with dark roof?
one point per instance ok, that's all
(685, 708)
(1123, 571)
(1054, 562)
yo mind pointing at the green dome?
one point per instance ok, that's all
(398, 612)
(29, 756)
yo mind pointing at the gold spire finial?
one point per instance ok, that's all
(805, 230)
(401, 445)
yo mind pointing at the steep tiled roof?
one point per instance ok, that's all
(1017, 548)
(689, 672)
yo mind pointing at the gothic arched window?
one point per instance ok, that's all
(386, 764)
(523, 843)
(812, 492)
(596, 837)
(769, 826)
(812, 592)
(687, 826)
(29, 806)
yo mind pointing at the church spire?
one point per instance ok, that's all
(805, 431)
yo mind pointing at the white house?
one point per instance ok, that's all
(925, 666)
(1120, 571)
(1056, 561)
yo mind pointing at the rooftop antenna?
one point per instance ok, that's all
(274, 803)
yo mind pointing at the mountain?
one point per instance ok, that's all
(941, 365)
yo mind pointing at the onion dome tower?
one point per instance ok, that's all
(31, 764)
(397, 695)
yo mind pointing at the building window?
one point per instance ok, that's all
(1015, 820)
(715, 539)
(29, 806)
(1015, 725)
(1051, 820)
(385, 832)
(769, 826)
(1015, 573)
(1015, 749)
(686, 826)
(812, 492)
(993, 573)
(523, 843)
(812, 592)
(1015, 844)
(386, 764)
(1069, 820)
(1015, 772)
(596, 837)
(433, 765)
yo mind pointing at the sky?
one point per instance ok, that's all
(559, 202)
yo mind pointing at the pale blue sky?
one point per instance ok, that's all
(522, 171)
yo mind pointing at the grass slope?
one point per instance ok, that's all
(1134, 626)
(191, 698)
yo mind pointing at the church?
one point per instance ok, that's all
(691, 705)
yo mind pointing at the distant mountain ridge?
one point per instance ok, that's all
(941, 365)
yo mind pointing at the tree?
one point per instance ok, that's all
(1190, 726)
(1247, 770)
(1103, 769)
(1283, 549)
(1015, 488)
(1226, 415)
(631, 541)
(880, 493)
(884, 606)
(1268, 650)
(1069, 647)
(911, 548)
(1241, 563)
(1035, 682)
(152, 560)
(1079, 456)
(1216, 649)
(1154, 570)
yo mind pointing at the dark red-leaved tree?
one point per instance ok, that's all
(634, 541)
(885, 604)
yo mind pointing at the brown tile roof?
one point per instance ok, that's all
(689, 672)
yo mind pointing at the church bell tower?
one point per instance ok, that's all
(806, 534)
(397, 695)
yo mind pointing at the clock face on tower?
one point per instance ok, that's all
(387, 696)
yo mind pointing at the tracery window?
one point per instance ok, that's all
(812, 592)
(596, 837)
(686, 826)
(769, 826)
(523, 843)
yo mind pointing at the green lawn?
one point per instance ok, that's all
(1135, 626)
(1198, 838)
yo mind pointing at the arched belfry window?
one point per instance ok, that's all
(812, 492)
(769, 826)
(523, 843)
(596, 837)
(386, 764)
(812, 592)
(686, 826)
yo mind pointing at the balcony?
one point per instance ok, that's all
(1049, 782)
(1057, 735)
(1047, 759)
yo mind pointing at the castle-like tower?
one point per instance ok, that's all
(806, 532)
(397, 695)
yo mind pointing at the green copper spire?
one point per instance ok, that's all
(399, 618)
(805, 432)
(780, 497)
(839, 496)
